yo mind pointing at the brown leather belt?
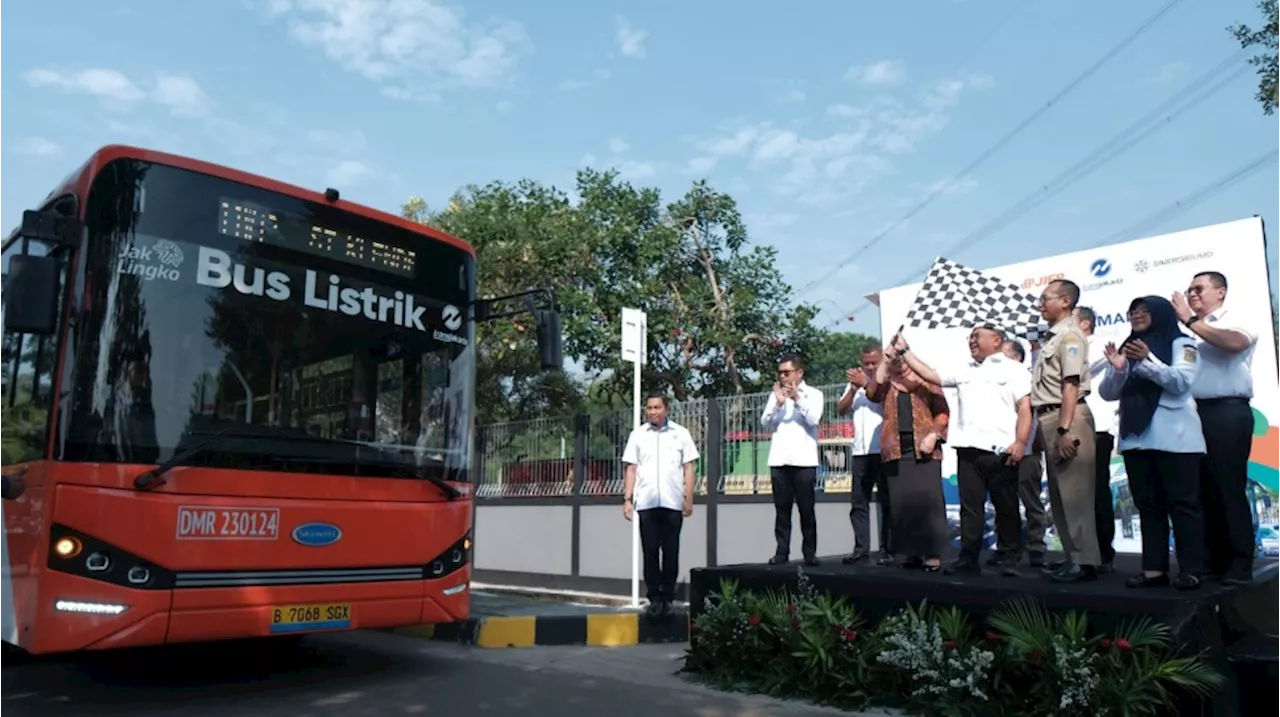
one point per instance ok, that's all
(1050, 407)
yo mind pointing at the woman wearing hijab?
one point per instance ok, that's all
(1160, 439)
(916, 416)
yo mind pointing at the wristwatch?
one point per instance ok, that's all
(1191, 320)
(1062, 431)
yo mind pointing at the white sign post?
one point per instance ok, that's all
(635, 347)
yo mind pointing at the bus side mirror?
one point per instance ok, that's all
(550, 349)
(31, 295)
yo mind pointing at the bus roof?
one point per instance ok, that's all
(78, 183)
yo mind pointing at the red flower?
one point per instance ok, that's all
(753, 621)
(1123, 644)
(795, 622)
(948, 645)
(850, 635)
(791, 608)
(993, 636)
(1105, 644)
(675, 332)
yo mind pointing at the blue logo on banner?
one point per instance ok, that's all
(1100, 268)
(317, 535)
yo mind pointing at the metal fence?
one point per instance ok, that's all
(538, 458)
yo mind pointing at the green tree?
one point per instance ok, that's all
(719, 312)
(831, 354)
(1265, 62)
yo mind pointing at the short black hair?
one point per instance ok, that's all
(1070, 290)
(658, 395)
(793, 359)
(1087, 314)
(1216, 278)
(869, 346)
(1017, 349)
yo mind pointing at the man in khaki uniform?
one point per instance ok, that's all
(1059, 383)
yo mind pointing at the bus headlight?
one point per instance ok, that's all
(102, 562)
(454, 558)
(138, 575)
(67, 548)
(98, 562)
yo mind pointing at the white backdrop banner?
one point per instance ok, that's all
(1110, 277)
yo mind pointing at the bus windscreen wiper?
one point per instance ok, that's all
(154, 478)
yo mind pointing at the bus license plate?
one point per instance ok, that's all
(301, 618)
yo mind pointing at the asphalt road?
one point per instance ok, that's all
(357, 674)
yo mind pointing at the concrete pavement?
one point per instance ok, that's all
(355, 674)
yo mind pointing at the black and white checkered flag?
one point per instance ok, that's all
(957, 297)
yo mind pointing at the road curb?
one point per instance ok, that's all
(593, 630)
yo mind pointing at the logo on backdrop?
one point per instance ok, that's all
(1141, 266)
(161, 260)
(1100, 268)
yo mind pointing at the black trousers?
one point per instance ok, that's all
(795, 485)
(660, 542)
(1104, 508)
(979, 474)
(1165, 487)
(1224, 480)
(867, 475)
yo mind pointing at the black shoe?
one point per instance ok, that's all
(1107, 567)
(1186, 581)
(996, 560)
(812, 562)
(913, 563)
(963, 567)
(1075, 574)
(653, 609)
(1237, 578)
(1035, 559)
(1010, 569)
(856, 559)
(1144, 581)
(779, 560)
(885, 560)
(1055, 567)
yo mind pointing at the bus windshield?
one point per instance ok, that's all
(304, 337)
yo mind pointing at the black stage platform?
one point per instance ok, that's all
(1213, 618)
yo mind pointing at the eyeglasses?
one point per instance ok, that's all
(1049, 297)
(1197, 289)
(1136, 313)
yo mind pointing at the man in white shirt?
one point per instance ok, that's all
(867, 475)
(1030, 483)
(1223, 388)
(989, 430)
(1104, 433)
(659, 460)
(792, 413)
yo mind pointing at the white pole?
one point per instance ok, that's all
(635, 517)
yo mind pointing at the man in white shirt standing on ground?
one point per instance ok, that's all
(792, 413)
(1104, 434)
(659, 459)
(1223, 390)
(865, 453)
(989, 431)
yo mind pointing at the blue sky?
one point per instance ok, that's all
(828, 121)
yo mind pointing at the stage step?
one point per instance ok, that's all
(1254, 659)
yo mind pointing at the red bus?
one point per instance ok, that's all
(234, 408)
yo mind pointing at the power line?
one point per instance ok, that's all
(1166, 213)
(1110, 150)
(1008, 137)
(1163, 215)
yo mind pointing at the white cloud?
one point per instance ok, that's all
(99, 82)
(181, 94)
(36, 147)
(630, 39)
(419, 45)
(618, 146)
(348, 172)
(572, 85)
(633, 171)
(882, 73)
(826, 167)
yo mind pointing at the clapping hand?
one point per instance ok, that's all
(1181, 307)
(857, 377)
(778, 394)
(1114, 357)
(1136, 350)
